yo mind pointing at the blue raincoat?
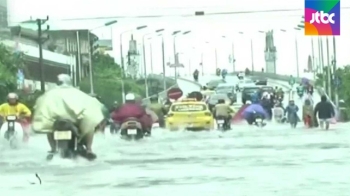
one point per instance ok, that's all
(292, 113)
(254, 109)
(223, 72)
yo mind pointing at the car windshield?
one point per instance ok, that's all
(189, 108)
(268, 88)
(250, 90)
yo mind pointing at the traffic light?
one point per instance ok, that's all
(94, 46)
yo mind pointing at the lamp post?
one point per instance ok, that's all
(121, 46)
(144, 59)
(90, 53)
(175, 33)
(232, 54)
(296, 51)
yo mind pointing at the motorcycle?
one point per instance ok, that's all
(132, 130)
(12, 130)
(222, 123)
(68, 142)
(259, 121)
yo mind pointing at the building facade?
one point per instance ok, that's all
(3, 14)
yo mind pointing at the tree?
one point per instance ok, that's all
(10, 62)
(108, 80)
(344, 88)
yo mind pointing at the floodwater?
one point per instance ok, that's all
(274, 160)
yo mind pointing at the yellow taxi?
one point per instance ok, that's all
(189, 114)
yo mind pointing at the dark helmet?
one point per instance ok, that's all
(154, 98)
(221, 101)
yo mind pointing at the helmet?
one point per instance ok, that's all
(12, 96)
(248, 102)
(64, 79)
(130, 97)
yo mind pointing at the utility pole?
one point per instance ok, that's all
(41, 40)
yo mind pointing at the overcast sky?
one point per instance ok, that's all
(203, 29)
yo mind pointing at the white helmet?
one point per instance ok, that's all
(12, 96)
(248, 102)
(130, 97)
(64, 79)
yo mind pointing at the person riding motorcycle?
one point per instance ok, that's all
(218, 71)
(68, 103)
(195, 74)
(13, 107)
(132, 109)
(224, 73)
(223, 110)
(159, 110)
(300, 90)
(310, 89)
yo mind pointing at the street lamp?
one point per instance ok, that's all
(121, 45)
(163, 62)
(144, 59)
(90, 53)
(251, 48)
(296, 51)
(175, 33)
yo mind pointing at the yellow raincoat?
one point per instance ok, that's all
(14, 110)
(68, 103)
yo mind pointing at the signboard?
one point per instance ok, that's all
(174, 93)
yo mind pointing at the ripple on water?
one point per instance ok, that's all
(240, 162)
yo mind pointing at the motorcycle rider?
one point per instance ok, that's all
(267, 104)
(69, 103)
(158, 109)
(64, 80)
(218, 71)
(222, 109)
(310, 89)
(325, 111)
(132, 109)
(291, 112)
(224, 73)
(195, 75)
(251, 116)
(300, 90)
(14, 108)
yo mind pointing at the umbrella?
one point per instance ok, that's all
(254, 108)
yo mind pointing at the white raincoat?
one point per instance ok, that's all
(67, 103)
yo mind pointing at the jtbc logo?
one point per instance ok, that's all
(322, 18)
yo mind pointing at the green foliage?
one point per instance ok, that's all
(247, 72)
(108, 81)
(344, 89)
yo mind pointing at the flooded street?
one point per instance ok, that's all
(246, 161)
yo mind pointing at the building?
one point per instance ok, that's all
(61, 42)
(3, 13)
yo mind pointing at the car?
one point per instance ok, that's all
(189, 114)
(259, 80)
(228, 89)
(213, 100)
(247, 93)
(211, 85)
(244, 83)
